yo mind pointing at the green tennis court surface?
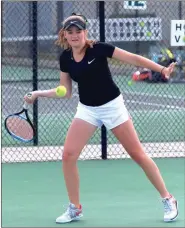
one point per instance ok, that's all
(113, 193)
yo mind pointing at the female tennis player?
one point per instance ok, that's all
(100, 102)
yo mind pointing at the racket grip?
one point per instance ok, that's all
(25, 105)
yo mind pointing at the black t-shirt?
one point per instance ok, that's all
(95, 84)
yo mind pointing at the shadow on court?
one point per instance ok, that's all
(113, 193)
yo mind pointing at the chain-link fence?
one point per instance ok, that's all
(30, 61)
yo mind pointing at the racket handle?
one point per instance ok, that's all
(25, 105)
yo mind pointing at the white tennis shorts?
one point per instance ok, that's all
(111, 114)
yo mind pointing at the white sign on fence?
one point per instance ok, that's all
(135, 5)
(177, 32)
(128, 29)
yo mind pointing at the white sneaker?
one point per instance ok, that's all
(170, 209)
(72, 213)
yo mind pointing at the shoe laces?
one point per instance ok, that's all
(69, 210)
(167, 205)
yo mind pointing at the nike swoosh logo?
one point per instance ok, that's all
(89, 62)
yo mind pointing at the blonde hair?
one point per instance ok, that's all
(62, 41)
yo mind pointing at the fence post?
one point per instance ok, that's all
(180, 48)
(35, 66)
(180, 10)
(137, 41)
(102, 39)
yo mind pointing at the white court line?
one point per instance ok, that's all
(153, 95)
(127, 92)
(146, 103)
(19, 87)
(156, 104)
(130, 111)
(154, 111)
(127, 100)
(29, 38)
(148, 95)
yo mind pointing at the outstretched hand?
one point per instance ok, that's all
(168, 70)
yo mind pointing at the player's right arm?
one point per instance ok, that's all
(65, 80)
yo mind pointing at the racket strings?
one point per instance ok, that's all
(20, 127)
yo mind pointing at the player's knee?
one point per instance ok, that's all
(139, 158)
(69, 155)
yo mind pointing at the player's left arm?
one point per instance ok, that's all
(141, 61)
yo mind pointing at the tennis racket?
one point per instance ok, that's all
(19, 125)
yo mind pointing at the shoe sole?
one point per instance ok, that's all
(173, 219)
(74, 219)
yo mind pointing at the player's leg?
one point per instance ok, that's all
(127, 136)
(77, 137)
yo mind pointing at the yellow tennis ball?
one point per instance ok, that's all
(130, 83)
(142, 24)
(61, 91)
(149, 34)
